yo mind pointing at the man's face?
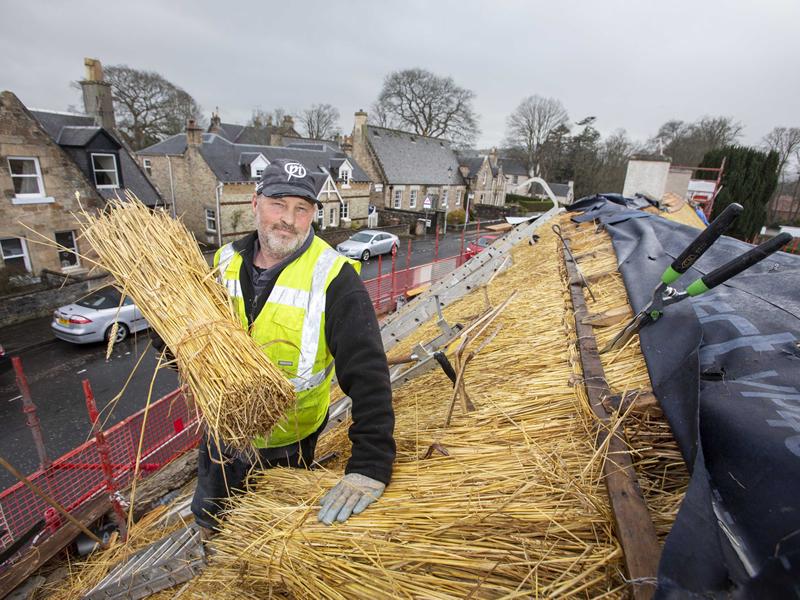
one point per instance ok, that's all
(282, 223)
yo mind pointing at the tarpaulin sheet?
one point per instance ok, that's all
(725, 367)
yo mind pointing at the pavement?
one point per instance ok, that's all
(27, 335)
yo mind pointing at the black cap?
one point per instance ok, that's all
(285, 177)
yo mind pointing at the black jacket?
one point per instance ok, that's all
(353, 337)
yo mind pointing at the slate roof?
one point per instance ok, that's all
(172, 145)
(473, 164)
(230, 162)
(75, 131)
(76, 135)
(414, 159)
(512, 167)
(247, 134)
(561, 190)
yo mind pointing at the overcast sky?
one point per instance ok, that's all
(632, 64)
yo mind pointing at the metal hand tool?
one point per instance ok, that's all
(664, 295)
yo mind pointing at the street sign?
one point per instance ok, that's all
(426, 204)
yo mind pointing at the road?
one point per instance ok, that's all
(55, 373)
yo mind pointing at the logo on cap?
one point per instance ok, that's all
(294, 169)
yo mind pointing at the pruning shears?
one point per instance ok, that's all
(664, 295)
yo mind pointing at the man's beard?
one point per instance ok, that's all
(279, 246)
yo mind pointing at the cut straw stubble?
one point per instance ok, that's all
(156, 261)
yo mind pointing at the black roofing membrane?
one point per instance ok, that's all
(725, 367)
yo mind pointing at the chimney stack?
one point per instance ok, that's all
(97, 101)
(288, 123)
(493, 157)
(194, 134)
(360, 121)
(215, 122)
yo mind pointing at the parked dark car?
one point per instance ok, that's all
(479, 245)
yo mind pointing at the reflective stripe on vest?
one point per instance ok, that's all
(306, 378)
(226, 254)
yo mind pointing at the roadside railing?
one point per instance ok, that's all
(170, 429)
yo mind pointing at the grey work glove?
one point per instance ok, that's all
(351, 495)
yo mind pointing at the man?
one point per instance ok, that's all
(306, 306)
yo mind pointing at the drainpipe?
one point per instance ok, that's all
(219, 213)
(172, 189)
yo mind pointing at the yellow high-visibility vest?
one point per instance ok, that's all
(291, 331)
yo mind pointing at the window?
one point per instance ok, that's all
(345, 174)
(320, 217)
(211, 220)
(378, 187)
(68, 249)
(484, 178)
(480, 198)
(148, 167)
(398, 198)
(344, 210)
(458, 198)
(105, 170)
(258, 173)
(332, 216)
(412, 199)
(15, 255)
(27, 178)
(444, 198)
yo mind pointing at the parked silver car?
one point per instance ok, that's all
(90, 319)
(368, 243)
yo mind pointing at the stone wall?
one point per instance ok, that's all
(21, 135)
(15, 308)
(486, 212)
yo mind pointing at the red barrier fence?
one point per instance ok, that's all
(78, 476)
(385, 289)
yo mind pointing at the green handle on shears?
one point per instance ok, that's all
(738, 264)
(702, 243)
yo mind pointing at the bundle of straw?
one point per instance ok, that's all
(155, 260)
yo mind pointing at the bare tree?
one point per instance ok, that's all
(529, 126)
(422, 102)
(785, 141)
(378, 115)
(687, 143)
(321, 121)
(147, 107)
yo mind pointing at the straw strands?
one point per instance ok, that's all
(511, 501)
(157, 262)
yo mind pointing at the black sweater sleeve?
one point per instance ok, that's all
(351, 329)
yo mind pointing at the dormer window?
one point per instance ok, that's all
(257, 166)
(105, 170)
(345, 174)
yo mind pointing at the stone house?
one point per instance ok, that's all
(210, 181)
(45, 158)
(486, 182)
(514, 172)
(411, 173)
